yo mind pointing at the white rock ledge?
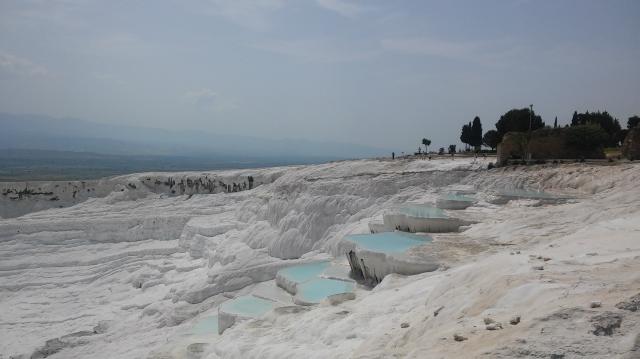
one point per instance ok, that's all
(453, 204)
(412, 224)
(371, 266)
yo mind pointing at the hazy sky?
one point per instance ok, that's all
(384, 73)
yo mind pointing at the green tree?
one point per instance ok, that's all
(452, 149)
(633, 121)
(586, 137)
(490, 139)
(476, 133)
(465, 135)
(426, 142)
(603, 119)
(555, 122)
(517, 120)
(621, 135)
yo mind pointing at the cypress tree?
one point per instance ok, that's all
(476, 133)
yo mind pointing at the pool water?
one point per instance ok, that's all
(206, 326)
(388, 242)
(458, 197)
(337, 271)
(316, 290)
(528, 194)
(304, 272)
(422, 211)
(247, 306)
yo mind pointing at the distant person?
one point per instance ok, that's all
(393, 155)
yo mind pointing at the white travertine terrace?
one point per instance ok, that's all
(129, 272)
(420, 218)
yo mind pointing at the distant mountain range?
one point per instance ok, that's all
(19, 131)
(41, 147)
(32, 165)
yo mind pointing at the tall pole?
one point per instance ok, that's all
(529, 137)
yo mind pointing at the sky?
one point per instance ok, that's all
(380, 73)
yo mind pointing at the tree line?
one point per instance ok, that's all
(598, 127)
(586, 129)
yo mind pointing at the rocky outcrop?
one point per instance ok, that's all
(633, 304)
(605, 323)
(631, 144)
(19, 198)
(53, 346)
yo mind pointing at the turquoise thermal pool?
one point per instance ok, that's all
(388, 242)
(206, 326)
(458, 197)
(316, 290)
(304, 272)
(247, 306)
(522, 193)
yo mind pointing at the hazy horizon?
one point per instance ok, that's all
(375, 73)
(42, 147)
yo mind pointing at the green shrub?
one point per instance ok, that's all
(586, 137)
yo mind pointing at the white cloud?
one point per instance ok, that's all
(342, 7)
(431, 47)
(496, 53)
(118, 41)
(326, 51)
(64, 14)
(107, 78)
(248, 13)
(21, 66)
(202, 98)
(255, 14)
(206, 99)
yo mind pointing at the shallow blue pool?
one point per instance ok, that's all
(247, 306)
(316, 290)
(522, 193)
(304, 272)
(458, 197)
(388, 242)
(205, 326)
(422, 211)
